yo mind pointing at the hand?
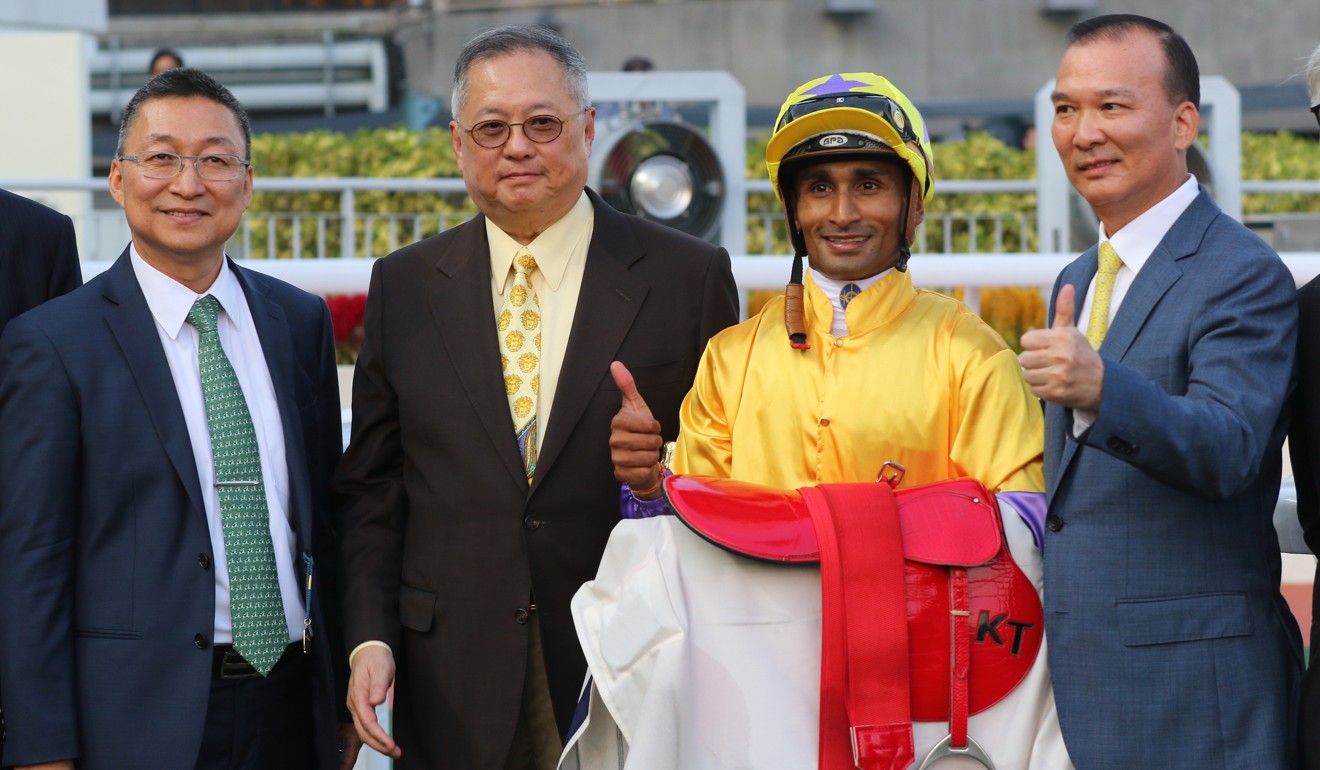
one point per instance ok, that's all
(349, 745)
(368, 684)
(634, 438)
(1059, 363)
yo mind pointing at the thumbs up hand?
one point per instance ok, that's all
(1059, 363)
(635, 438)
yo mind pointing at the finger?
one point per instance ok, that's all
(1036, 339)
(632, 400)
(362, 701)
(1063, 308)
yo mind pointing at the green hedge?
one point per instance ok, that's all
(398, 152)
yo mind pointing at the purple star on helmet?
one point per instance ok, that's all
(835, 85)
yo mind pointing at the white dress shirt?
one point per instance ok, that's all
(170, 302)
(1134, 245)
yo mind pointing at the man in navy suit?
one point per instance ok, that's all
(38, 255)
(38, 260)
(1169, 642)
(126, 601)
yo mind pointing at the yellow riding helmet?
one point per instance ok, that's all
(845, 115)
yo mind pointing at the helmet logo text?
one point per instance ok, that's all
(833, 140)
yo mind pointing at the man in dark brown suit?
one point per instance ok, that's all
(478, 488)
(1304, 449)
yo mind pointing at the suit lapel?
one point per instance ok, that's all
(1157, 276)
(277, 347)
(134, 329)
(608, 302)
(465, 322)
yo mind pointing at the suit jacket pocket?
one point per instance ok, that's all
(82, 632)
(1183, 618)
(416, 608)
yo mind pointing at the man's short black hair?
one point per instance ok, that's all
(1182, 79)
(179, 83)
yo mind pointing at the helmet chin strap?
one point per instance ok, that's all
(904, 248)
(794, 304)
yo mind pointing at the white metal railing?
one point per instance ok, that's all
(302, 235)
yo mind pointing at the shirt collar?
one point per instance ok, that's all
(1137, 240)
(832, 289)
(170, 301)
(551, 249)
(882, 301)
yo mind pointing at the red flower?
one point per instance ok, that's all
(346, 311)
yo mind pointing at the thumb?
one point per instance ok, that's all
(632, 400)
(1063, 308)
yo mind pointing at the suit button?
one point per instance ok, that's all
(531, 522)
(200, 641)
(1054, 522)
(1122, 447)
(521, 615)
(203, 561)
(824, 422)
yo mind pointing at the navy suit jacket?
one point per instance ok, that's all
(1169, 642)
(107, 592)
(38, 255)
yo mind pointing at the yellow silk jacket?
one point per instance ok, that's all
(919, 380)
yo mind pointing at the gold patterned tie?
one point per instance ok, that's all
(1110, 262)
(519, 325)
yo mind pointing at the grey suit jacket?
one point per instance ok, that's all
(1169, 643)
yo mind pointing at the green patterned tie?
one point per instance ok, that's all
(260, 630)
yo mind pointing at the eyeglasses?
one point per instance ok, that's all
(876, 104)
(167, 165)
(541, 129)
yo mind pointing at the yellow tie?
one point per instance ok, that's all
(1110, 262)
(519, 325)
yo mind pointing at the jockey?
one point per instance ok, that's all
(872, 370)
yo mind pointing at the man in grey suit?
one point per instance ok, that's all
(1170, 644)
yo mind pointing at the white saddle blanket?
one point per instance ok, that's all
(704, 660)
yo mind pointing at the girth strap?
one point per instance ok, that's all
(865, 703)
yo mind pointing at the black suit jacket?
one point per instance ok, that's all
(1304, 449)
(38, 255)
(443, 541)
(107, 592)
